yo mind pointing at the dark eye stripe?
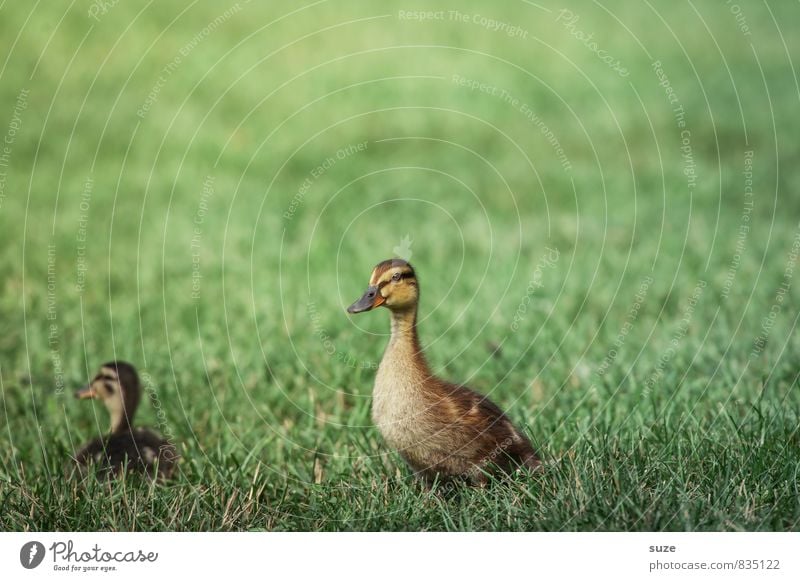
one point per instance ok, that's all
(403, 276)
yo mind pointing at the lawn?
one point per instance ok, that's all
(601, 204)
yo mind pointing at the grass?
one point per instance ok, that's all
(632, 308)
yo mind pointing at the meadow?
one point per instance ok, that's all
(601, 203)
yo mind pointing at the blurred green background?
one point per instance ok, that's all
(601, 202)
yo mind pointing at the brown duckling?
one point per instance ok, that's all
(441, 429)
(136, 450)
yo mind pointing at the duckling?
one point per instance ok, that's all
(137, 449)
(441, 430)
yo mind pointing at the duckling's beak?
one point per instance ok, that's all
(372, 298)
(87, 392)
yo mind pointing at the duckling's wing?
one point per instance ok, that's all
(91, 452)
(155, 452)
(486, 432)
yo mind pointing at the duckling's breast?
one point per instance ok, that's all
(399, 406)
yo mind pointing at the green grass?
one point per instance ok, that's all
(661, 412)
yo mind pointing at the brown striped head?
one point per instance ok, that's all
(393, 284)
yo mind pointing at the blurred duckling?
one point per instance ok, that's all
(442, 430)
(137, 450)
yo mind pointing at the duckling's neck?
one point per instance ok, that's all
(404, 324)
(405, 341)
(120, 421)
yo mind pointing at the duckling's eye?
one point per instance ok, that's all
(109, 387)
(396, 276)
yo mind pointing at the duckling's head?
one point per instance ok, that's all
(393, 284)
(117, 386)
